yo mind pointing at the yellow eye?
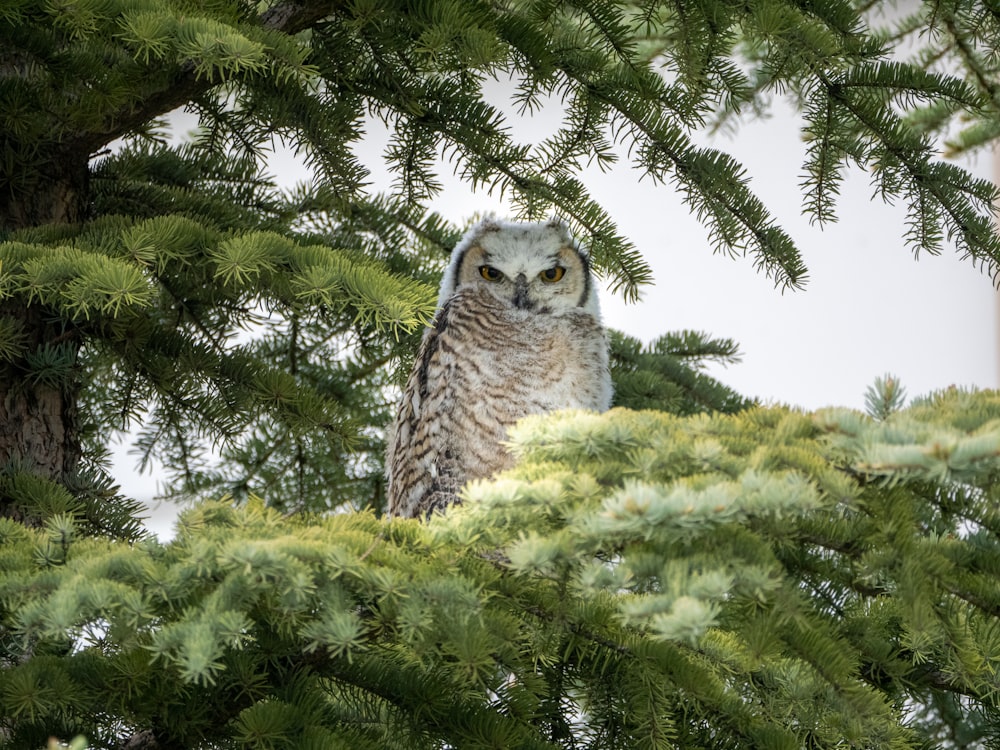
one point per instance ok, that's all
(490, 273)
(552, 275)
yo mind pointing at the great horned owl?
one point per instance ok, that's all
(518, 331)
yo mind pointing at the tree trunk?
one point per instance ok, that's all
(38, 425)
(53, 192)
(39, 430)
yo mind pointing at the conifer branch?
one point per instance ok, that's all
(974, 234)
(186, 85)
(690, 570)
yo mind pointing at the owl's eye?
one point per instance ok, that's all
(552, 275)
(490, 273)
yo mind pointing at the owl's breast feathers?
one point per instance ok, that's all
(480, 368)
(477, 343)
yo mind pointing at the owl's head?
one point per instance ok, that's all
(537, 267)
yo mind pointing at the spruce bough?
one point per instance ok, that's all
(770, 578)
(709, 574)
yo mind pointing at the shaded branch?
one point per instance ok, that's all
(289, 17)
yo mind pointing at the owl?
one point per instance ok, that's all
(518, 331)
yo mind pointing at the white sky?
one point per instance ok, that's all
(868, 309)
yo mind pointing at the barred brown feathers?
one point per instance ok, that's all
(518, 332)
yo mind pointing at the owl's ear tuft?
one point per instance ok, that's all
(488, 225)
(562, 228)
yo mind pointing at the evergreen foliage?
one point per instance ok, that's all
(668, 374)
(162, 302)
(141, 265)
(770, 578)
(709, 575)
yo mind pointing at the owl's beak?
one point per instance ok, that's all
(521, 300)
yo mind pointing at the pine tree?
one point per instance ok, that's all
(134, 271)
(768, 578)
(702, 573)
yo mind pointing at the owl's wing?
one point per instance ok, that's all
(419, 469)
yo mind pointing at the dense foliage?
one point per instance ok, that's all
(711, 574)
(132, 269)
(768, 579)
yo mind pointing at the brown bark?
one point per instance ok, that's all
(54, 193)
(39, 428)
(38, 421)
